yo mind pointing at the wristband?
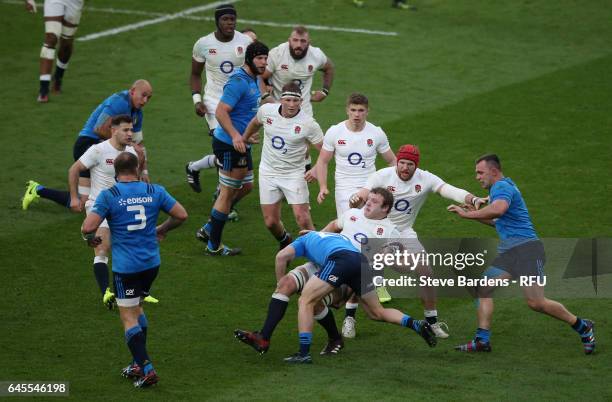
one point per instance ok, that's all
(265, 96)
(197, 98)
(325, 91)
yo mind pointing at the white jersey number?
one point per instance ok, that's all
(139, 216)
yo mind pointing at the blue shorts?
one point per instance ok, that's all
(348, 268)
(228, 158)
(526, 259)
(130, 288)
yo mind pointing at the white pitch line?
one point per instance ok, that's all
(168, 17)
(202, 18)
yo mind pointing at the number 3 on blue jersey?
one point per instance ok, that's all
(141, 216)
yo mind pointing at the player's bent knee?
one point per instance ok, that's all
(68, 32)
(536, 304)
(286, 285)
(53, 30)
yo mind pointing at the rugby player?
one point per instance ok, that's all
(131, 208)
(98, 128)
(237, 107)
(61, 21)
(520, 253)
(410, 187)
(288, 132)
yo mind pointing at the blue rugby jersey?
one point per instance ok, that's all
(114, 105)
(131, 209)
(241, 92)
(514, 227)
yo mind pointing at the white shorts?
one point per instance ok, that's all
(274, 189)
(211, 107)
(69, 9)
(88, 205)
(342, 199)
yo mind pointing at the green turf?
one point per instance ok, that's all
(528, 80)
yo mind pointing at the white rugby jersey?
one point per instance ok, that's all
(286, 69)
(221, 59)
(99, 159)
(355, 153)
(408, 196)
(359, 229)
(285, 141)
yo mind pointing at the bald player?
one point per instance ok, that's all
(97, 129)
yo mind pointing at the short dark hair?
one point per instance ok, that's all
(292, 87)
(122, 118)
(357, 99)
(300, 29)
(491, 159)
(126, 163)
(386, 195)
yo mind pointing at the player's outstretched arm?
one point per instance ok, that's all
(332, 227)
(460, 195)
(485, 215)
(283, 258)
(178, 215)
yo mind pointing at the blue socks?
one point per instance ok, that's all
(215, 228)
(135, 340)
(410, 322)
(483, 334)
(305, 341)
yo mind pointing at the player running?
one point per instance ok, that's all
(521, 253)
(288, 132)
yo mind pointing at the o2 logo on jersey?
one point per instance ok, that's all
(361, 238)
(279, 143)
(226, 67)
(403, 205)
(355, 159)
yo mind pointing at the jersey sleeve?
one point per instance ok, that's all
(321, 58)
(198, 52)
(233, 91)
(315, 134)
(299, 246)
(102, 204)
(383, 142)
(374, 180)
(272, 60)
(138, 125)
(433, 181)
(261, 113)
(329, 141)
(91, 157)
(501, 191)
(166, 201)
